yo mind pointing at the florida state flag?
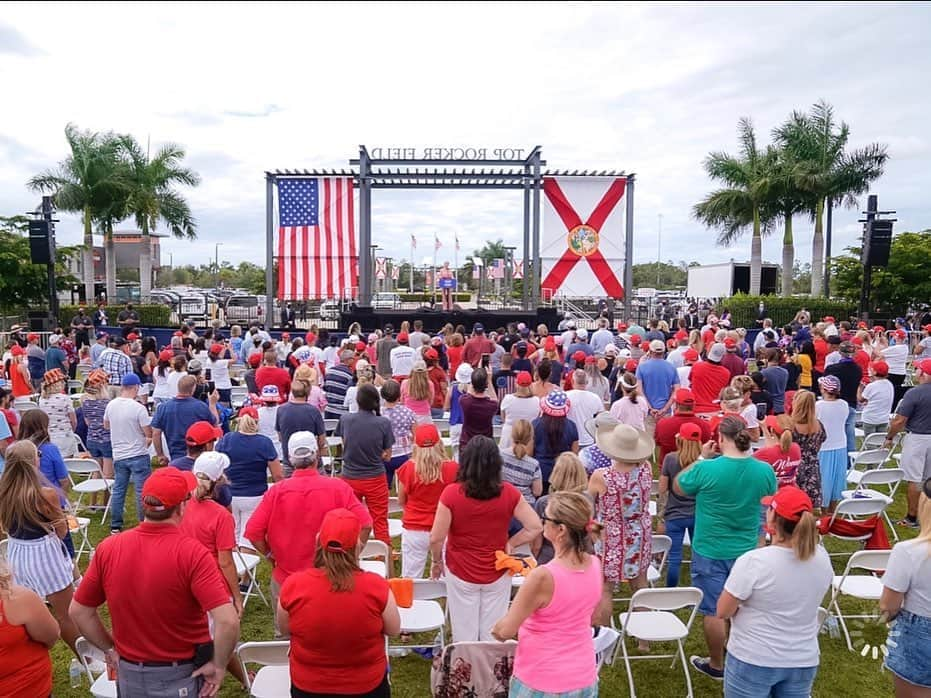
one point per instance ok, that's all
(582, 242)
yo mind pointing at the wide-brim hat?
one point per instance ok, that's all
(602, 420)
(624, 443)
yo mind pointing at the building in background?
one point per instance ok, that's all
(128, 246)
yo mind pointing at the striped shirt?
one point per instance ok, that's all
(335, 384)
(116, 364)
(521, 472)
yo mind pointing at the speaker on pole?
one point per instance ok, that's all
(39, 248)
(880, 234)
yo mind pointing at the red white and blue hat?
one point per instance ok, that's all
(555, 404)
(270, 394)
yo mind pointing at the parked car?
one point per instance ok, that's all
(244, 309)
(196, 307)
(386, 301)
(329, 310)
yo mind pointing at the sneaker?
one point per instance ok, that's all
(908, 522)
(243, 588)
(114, 531)
(703, 664)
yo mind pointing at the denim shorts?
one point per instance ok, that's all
(100, 449)
(744, 680)
(709, 575)
(909, 645)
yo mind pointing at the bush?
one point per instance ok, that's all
(745, 309)
(155, 315)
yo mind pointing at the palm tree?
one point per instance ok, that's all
(828, 172)
(106, 218)
(786, 199)
(743, 203)
(152, 197)
(84, 182)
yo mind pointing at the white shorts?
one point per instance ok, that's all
(243, 507)
(916, 457)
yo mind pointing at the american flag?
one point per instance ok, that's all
(437, 244)
(316, 238)
(496, 270)
(457, 242)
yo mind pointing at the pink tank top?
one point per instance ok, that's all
(560, 634)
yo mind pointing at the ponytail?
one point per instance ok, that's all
(785, 441)
(804, 534)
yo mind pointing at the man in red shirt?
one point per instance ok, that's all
(862, 358)
(708, 378)
(732, 361)
(270, 374)
(159, 586)
(284, 526)
(668, 427)
(477, 345)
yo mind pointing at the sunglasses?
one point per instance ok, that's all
(555, 522)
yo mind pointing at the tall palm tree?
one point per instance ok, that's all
(152, 197)
(785, 200)
(84, 182)
(828, 171)
(106, 218)
(743, 203)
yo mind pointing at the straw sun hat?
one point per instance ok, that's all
(622, 442)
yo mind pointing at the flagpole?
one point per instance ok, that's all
(456, 263)
(413, 243)
(436, 244)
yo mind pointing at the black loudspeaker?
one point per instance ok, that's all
(880, 233)
(39, 247)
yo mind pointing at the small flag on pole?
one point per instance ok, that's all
(437, 243)
(413, 241)
(457, 242)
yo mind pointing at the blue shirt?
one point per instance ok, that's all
(455, 409)
(541, 446)
(175, 417)
(55, 358)
(249, 458)
(51, 465)
(658, 377)
(5, 433)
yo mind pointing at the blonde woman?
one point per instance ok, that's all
(310, 376)
(519, 467)
(421, 481)
(597, 383)
(748, 411)
(679, 513)
(808, 433)
(633, 407)
(27, 632)
(60, 410)
(32, 518)
(417, 392)
(251, 456)
(696, 343)
(568, 475)
(521, 404)
(365, 375)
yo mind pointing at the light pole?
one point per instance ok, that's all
(216, 265)
(659, 238)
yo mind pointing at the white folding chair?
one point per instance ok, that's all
(330, 425)
(238, 395)
(605, 640)
(80, 532)
(95, 668)
(887, 477)
(866, 587)
(661, 546)
(870, 443)
(869, 460)
(856, 509)
(442, 426)
(393, 506)
(425, 614)
(376, 548)
(273, 679)
(246, 564)
(394, 528)
(85, 469)
(658, 624)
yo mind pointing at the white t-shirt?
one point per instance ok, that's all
(833, 358)
(777, 624)
(127, 418)
(833, 416)
(162, 389)
(173, 378)
(402, 360)
(583, 405)
(220, 373)
(925, 345)
(896, 356)
(675, 357)
(267, 415)
(515, 408)
(909, 572)
(878, 395)
(685, 373)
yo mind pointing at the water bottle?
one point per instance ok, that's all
(74, 673)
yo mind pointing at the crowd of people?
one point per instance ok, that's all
(558, 444)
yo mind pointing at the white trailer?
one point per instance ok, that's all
(725, 279)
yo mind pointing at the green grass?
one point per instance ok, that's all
(842, 673)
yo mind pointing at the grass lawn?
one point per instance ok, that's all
(842, 673)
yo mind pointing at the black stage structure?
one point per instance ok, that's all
(525, 174)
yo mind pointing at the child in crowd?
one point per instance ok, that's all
(267, 409)
(832, 413)
(518, 466)
(679, 511)
(403, 421)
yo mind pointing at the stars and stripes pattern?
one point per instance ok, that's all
(317, 255)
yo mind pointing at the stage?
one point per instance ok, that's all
(434, 320)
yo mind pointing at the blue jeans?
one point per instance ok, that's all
(709, 575)
(742, 680)
(675, 529)
(139, 467)
(849, 426)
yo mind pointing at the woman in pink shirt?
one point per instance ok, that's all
(633, 407)
(417, 392)
(554, 608)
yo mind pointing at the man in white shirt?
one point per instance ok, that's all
(876, 397)
(675, 357)
(402, 358)
(760, 341)
(830, 329)
(583, 405)
(568, 336)
(130, 436)
(601, 337)
(689, 357)
(923, 348)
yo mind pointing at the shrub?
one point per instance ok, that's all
(155, 315)
(745, 309)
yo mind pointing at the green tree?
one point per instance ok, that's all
(84, 182)
(23, 284)
(742, 204)
(827, 170)
(152, 197)
(902, 285)
(670, 275)
(785, 199)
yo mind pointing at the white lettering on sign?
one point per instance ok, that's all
(448, 153)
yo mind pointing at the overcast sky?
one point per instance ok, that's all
(646, 89)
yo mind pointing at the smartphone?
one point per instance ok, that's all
(486, 360)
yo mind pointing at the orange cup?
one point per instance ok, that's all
(403, 590)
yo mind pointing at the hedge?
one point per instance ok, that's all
(745, 309)
(155, 315)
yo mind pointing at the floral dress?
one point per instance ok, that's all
(624, 510)
(808, 477)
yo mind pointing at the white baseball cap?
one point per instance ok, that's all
(212, 464)
(302, 444)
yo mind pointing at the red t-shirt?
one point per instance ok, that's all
(26, 663)
(159, 585)
(289, 516)
(478, 528)
(475, 347)
(707, 338)
(420, 507)
(337, 638)
(438, 378)
(862, 359)
(454, 354)
(822, 349)
(708, 379)
(668, 427)
(272, 375)
(210, 523)
(785, 465)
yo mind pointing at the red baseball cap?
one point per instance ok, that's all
(426, 435)
(857, 341)
(690, 432)
(310, 338)
(31, 337)
(169, 486)
(403, 337)
(621, 327)
(828, 318)
(924, 366)
(927, 328)
(690, 355)
(682, 334)
(730, 343)
(216, 348)
(255, 359)
(899, 334)
(635, 339)
(360, 346)
(178, 333)
(524, 378)
(579, 356)
(878, 328)
(862, 325)
(431, 354)
(591, 360)
(246, 410)
(202, 432)
(631, 366)
(17, 350)
(549, 344)
(340, 531)
(132, 336)
(645, 346)
(166, 355)
(684, 397)
(772, 423)
(789, 502)
(880, 368)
